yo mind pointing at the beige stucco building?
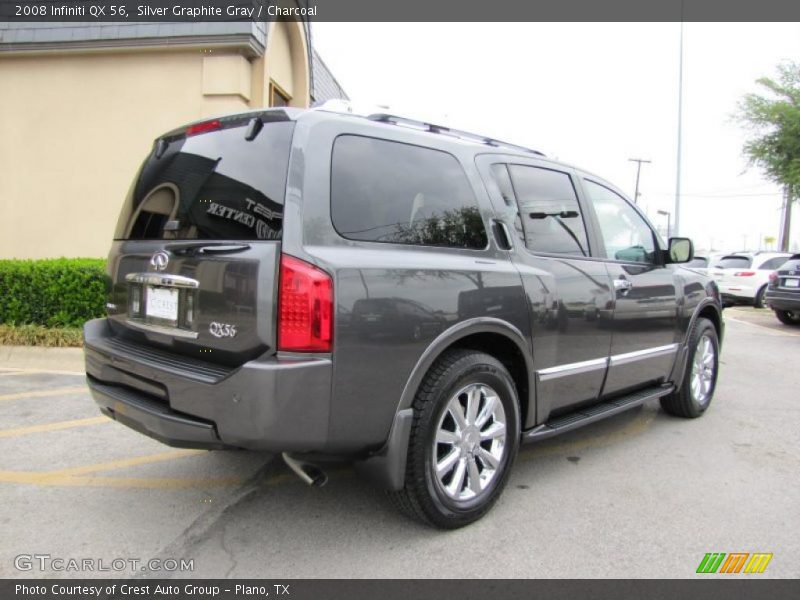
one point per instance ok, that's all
(81, 104)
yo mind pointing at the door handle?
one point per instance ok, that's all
(623, 286)
(501, 234)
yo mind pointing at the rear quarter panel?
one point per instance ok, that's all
(391, 300)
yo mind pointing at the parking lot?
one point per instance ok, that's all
(639, 495)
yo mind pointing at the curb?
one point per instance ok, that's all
(42, 359)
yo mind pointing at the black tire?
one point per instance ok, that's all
(788, 317)
(759, 301)
(684, 401)
(423, 496)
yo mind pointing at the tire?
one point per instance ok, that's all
(694, 395)
(761, 294)
(788, 317)
(447, 501)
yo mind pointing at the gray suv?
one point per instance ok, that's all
(413, 299)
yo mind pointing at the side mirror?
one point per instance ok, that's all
(681, 250)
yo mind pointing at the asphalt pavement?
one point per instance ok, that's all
(642, 494)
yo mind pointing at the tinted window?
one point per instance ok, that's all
(774, 263)
(626, 235)
(733, 262)
(551, 217)
(384, 191)
(792, 264)
(214, 185)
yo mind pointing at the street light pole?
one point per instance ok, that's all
(680, 131)
(638, 162)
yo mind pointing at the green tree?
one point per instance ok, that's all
(772, 120)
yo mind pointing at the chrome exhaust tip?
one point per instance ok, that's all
(308, 472)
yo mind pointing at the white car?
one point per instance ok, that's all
(743, 277)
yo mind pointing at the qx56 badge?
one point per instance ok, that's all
(222, 330)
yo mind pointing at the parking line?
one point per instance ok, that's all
(36, 371)
(83, 475)
(45, 393)
(127, 462)
(769, 329)
(10, 373)
(46, 479)
(7, 433)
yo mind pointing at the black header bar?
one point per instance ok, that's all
(398, 10)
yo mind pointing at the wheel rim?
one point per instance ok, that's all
(470, 442)
(703, 368)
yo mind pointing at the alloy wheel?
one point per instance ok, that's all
(470, 442)
(703, 370)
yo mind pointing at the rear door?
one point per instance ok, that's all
(645, 334)
(195, 259)
(569, 292)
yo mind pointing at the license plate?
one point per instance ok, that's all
(162, 303)
(791, 283)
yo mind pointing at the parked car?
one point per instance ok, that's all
(783, 293)
(743, 277)
(260, 258)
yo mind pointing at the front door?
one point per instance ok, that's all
(569, 292)
(645, 333)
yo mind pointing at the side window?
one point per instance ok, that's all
(626, 235)
(384, 191)
(551, 217)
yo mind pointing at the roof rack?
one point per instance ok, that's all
(457, 133)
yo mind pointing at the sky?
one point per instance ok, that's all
(593, 95)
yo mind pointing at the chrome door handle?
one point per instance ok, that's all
(623, 285)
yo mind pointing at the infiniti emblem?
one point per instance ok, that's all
(160, 260)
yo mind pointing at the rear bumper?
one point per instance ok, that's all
(279, 405)
(738, 294)
(779, 300)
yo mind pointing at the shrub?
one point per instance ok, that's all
(60, 292)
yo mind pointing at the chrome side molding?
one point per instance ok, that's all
(629, 357)
(572, 369)
(587, 366)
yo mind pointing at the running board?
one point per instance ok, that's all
(595, 412)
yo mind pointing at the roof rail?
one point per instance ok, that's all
(464, 135)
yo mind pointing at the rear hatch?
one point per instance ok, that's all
(728, 270)
(196, 255)
(787, 278)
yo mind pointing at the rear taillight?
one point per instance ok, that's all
(744, 273)
(203, 127)
(305, 307)
(773, 278)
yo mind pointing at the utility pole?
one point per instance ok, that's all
(680, 131)
(638, 162)
(786, 225)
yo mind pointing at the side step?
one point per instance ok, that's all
(595, 412)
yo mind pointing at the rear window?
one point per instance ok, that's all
(733, 262)
(773, 263)
(384, 191)
(793, 264)
(215, 185)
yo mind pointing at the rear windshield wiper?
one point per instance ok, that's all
(200, 247)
